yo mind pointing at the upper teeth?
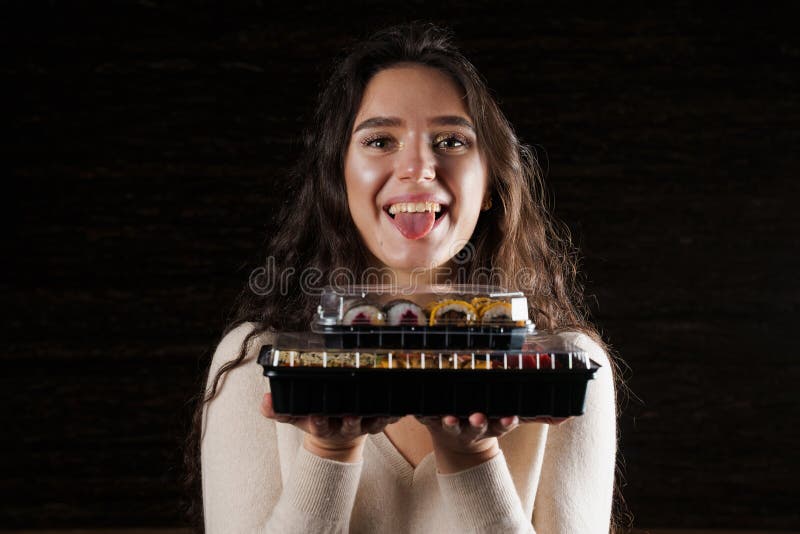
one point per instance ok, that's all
(414, 207)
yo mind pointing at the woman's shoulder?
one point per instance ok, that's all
(247, 337)
(235, 336)
(233, 340)
(602, 393)
(588, 343)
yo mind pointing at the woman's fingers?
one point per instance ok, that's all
(467, 430)
(266, 406)
(508, 422)
(503, 425)
(429, 421)
(451, 425)
(478, 420)
(477, 426)
(268, 412)
(351, 427)
(450, 420)
(375, 425)
(318, 426)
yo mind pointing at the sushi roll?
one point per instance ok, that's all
(480, 302)
(496, 312)
(452, 312)
(363, 314)
(405, 313)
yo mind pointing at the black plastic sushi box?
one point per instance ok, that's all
(454, 350)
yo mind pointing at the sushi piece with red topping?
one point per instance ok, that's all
(405, 313)
(363, 314)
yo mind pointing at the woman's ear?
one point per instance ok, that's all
(487, 202)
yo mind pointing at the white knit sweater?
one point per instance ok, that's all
(258, 478)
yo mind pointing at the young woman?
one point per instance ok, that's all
(406, 120)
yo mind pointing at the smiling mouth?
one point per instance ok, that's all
(417, 207)
(415, 220)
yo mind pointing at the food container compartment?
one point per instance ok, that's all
(430, 337)
(549, 378)
(441, 317)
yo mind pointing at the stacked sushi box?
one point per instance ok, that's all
(453, 350)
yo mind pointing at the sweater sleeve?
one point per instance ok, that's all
(484, 499)
(577, 481)
(241, 464)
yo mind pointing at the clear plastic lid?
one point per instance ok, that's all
(453, 306)
(541, 352)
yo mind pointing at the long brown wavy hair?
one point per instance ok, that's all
(517, 235)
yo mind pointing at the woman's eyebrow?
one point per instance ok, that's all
(377, 122)
(388, 122)
(452, 120)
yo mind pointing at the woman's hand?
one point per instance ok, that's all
(460, 444)
(334, 438)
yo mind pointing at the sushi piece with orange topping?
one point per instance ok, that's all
(453, 312)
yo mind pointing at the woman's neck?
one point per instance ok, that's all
(414, 279)
(418, 279)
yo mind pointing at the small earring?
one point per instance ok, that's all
(487, 204)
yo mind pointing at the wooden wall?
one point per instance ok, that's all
(145, 142)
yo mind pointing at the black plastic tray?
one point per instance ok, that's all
(398, 392)
(427, 337)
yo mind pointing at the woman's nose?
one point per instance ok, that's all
(416, 162)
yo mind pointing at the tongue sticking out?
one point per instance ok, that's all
(414, 225)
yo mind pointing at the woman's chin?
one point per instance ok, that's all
(421, 265)
(420, 257)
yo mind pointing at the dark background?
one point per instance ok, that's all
(145, 145)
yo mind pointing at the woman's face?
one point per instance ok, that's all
(414, 173)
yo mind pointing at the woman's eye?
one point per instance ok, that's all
(377, 142)
(450, 142)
